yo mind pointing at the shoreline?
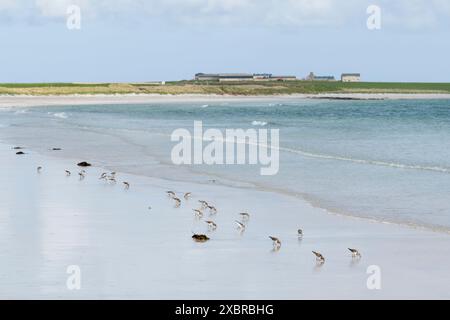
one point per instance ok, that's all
(247, 186)
(8, 101)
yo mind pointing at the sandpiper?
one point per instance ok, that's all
(241, 226)
(39, 169)
(198, 213)
(177, 202)
(68, 173)
(300, 233)
(200, 238)
(355, 253)
(187, 195)
(245, 216)
(212, 209)
(171, 194)
(276, 243)
(319, 257)
(203, 203)
(103, 176)
(211, 225)
(82, 174)
(127, 185)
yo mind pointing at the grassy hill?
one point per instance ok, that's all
(237, 88)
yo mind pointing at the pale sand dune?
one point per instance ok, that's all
(49, 221)
(30, 101)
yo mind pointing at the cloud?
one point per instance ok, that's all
(416, 14)
(295, 13)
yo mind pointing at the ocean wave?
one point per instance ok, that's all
(204, 106)
(365, 161)
(340, 158)
(61, 115)
(21, 111)
(259, 123)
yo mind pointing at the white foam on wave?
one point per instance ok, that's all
(21, 111)
(61, 115)
(205, 106)
(259, 123)
(370, 162)
(354, 160)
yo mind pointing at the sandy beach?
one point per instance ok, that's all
(98, 99)
(49, 221)
(134, 244)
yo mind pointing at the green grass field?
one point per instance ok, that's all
(237, 88)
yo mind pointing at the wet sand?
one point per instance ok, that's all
(125, 250)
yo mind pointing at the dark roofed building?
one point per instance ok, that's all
(224, 77)
(235, 77)
(207, 76)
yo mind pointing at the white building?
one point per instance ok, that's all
(351, 77)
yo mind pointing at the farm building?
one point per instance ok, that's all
(313, 77)
(351, 77)
(229, 77)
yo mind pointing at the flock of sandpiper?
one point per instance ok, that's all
(241, 225)
(200, 212)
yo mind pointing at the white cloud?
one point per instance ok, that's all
(297, 13)
(416, 14)
(7, 4)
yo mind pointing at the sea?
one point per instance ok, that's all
(383, 160)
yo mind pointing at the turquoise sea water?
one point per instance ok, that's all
(386, 160)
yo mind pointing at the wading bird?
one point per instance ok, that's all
(212, 209)
(355, 253)
(177, 202)
(171, 194)
(319, 257)
(198, 213)
(187, 195)
(211, 225)
(276, 243)
(240, 225)
(203, 203)
(39, 169)
(245, 216)
(127, 185)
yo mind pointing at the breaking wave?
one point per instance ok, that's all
(370, 162)
(61, 115)
(259, 123)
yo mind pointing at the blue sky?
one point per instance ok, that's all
(137, 40)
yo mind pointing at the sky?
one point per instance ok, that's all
(146, 40)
